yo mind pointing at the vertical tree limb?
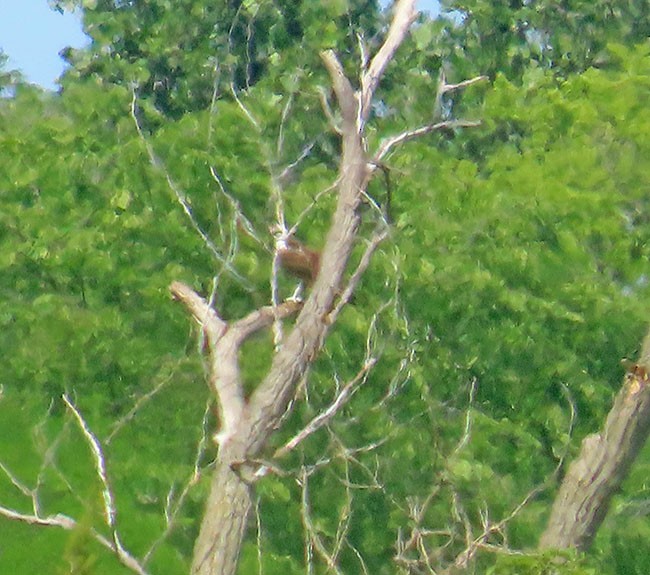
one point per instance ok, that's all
(404, 14)
(222, 530)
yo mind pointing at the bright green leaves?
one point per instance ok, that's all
(180, 54)
(526, 258)
(517, 263)
(338, 8)
(121, 200)
(424, 35)
(549, 563)
(511, 37)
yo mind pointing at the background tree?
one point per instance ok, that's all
(182, 54)
(567, 37)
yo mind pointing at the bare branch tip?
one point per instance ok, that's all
(183, 292)
(176, 288)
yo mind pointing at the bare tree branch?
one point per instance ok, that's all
(294, 228)
(463, 559)
(468, 418)
(205, 315)
(251, 118)
(67, 523)
(157, 163)
(262, 318)
(26, 491)
(270, 399)
(342, 88)
(254, 421)
(173, 508)
(224, 342)
(312, 534)
(604, 460)
(327, 414)
(408, 135)
(224, 378)
(304, 153)
(464, 84)
(240, 218)
(110, 511)
(120, 423)
(327, 110)
(355, 278)
(404, 14)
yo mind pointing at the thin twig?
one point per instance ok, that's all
(312, 534)
(258, 529)
(283, 120)
(304, 153)
(408, 135)
(157, 163)
(479, 542)
(378, 237)
(244, 109)
(172, 509)
(327, 110)
(325, 416)
(110, 511)
(345, 515)
(468, 419)
(404, 15)
(67, 523)
(143, 400)
(293, 229)
(451, 87)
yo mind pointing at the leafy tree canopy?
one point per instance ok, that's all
(517, 260)
(182, 55)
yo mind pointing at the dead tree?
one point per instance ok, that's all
(605, 458)
(247, 423)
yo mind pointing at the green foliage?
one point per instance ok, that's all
(565, 37)
(8, 78)
(183, 54)
(564, 563)
(78, 556)
(515, 274)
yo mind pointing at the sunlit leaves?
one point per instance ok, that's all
(515, 272)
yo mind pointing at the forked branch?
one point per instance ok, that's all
(224, 342)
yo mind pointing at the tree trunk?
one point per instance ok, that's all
(604, 461)
(217, 547)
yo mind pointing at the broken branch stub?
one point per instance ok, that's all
(603, 463)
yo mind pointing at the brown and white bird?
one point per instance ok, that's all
(297, 259)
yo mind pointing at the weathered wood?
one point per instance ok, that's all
(217, 547)
(247, 423)
(223, 526)
(603, 463)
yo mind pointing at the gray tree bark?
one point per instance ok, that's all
(224, 523)
(247, 423)
(223, 526)
(603, 463)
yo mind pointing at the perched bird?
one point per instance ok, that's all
(298, 260)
